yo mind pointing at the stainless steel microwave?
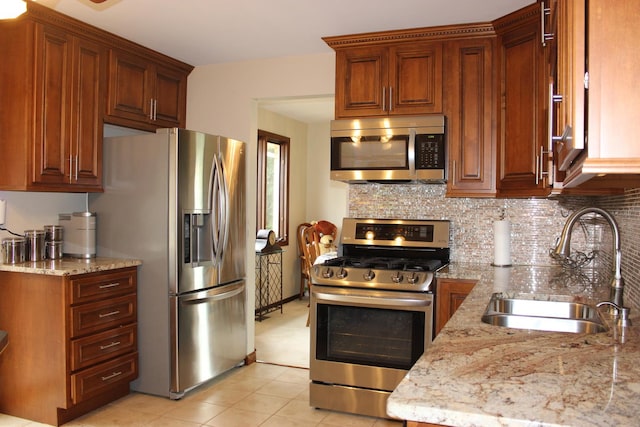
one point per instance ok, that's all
(389, 149)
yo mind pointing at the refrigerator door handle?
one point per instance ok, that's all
(214, 195)
(215, 294)
(220, 212)
(224, 205)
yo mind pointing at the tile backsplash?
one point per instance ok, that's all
(535, 224)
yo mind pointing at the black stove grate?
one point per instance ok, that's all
(384, 263)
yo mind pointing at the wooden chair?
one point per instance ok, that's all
(311, 250)
(304, 271)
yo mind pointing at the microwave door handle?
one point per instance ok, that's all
(411, 155)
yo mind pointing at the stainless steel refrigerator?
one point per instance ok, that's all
(176, 200)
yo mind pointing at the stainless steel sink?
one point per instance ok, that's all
(553, 316)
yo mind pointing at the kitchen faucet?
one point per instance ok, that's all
(563, 251)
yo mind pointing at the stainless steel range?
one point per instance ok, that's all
(372, 311)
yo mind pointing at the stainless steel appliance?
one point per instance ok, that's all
(372, 311)
(176, 200)
(389, 149)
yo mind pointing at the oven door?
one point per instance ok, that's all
(367, 338)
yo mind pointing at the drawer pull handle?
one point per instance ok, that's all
(111, 313)
(113, 344)
(108, 377)
(110, 285)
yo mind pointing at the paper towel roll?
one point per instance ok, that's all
(501, 279)
(502, 243)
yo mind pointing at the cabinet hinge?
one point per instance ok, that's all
(586, 80)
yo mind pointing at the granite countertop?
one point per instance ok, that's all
(475, 374)
(70, 266)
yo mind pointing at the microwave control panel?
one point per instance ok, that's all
(430, 151)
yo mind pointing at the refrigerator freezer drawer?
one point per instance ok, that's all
(211, 335)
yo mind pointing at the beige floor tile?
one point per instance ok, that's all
(282, 389)
(300, 410)
(223, 396)
(262, 403)
(387, 423)
(198, 412)
(277, 421)
(343, 420)
(9, 421)
(115, 416)
(298, 376)
(171, 422)
(234, 417)
(146, 403)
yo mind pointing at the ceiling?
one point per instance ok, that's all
(202, 32)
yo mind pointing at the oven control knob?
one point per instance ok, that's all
(413, 279)
(369, 275)
(327, 273)
(397, 278)
(342, 273)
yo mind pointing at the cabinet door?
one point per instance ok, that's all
(361, 82)
(523, 89)
(469, 102)
(170, 97)
(89, 67)
(415, 79)
(130, 87)
(51, 156)
(450, 295)
(144, 94)
(569, 84)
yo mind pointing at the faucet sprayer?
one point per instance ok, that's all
(562, 250)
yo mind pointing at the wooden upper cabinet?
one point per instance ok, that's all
(523, 160)
(144, 94)
(469, 106)
(52, 120)
(53, 92)
(598, 76)
(392, 79)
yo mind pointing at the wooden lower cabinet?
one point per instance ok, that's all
(449, 295)
(72, 342)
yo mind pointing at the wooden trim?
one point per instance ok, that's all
(439, 33)
(250, 358)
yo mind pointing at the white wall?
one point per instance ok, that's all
(223, 98)
(29, 211)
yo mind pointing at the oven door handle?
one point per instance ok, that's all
(379, 302)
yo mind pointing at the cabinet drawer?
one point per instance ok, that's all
(97, 348)
(97, 380)
(94, 286)
(101, 315)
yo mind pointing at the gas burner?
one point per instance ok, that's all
(401, 264)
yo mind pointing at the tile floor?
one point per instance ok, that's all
(261, 394)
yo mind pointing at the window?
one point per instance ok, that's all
(273, 185)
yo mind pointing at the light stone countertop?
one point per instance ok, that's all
(70, 266)
(475, 374)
